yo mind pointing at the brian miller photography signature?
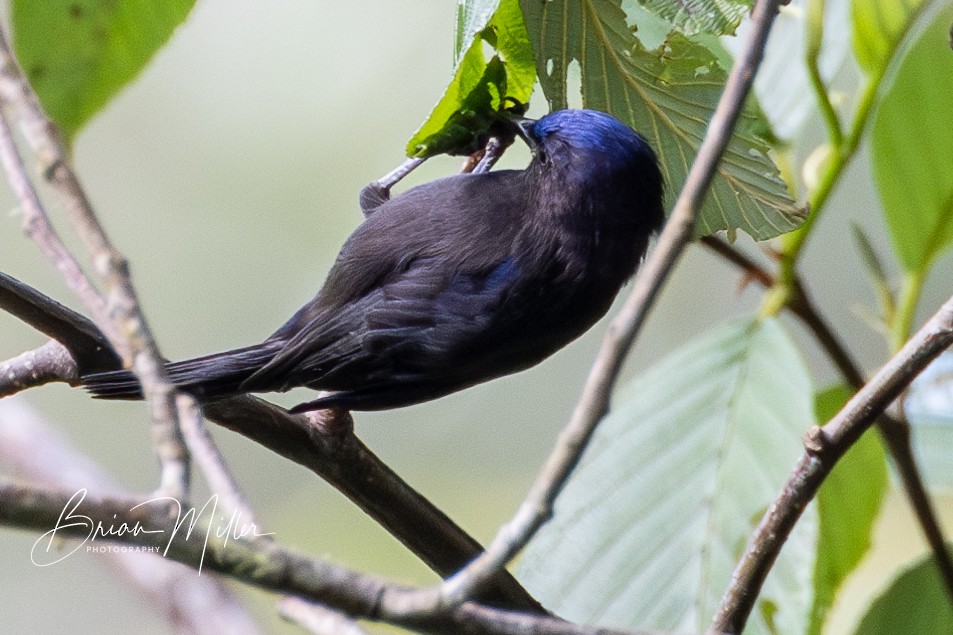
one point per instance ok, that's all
(44, 553)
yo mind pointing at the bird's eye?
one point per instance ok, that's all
(541, 157)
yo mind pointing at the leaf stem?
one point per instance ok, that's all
(909, 297)
(815, 37)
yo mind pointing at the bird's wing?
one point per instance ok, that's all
(416, 323)
(418, 278)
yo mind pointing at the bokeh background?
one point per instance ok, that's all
(228, 174)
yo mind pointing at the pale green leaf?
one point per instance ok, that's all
(668, 95)
(915, 603)
(79, 53)
(649, 528)
(783, 88)
(848, 504)
(912, 150)
(700, 16)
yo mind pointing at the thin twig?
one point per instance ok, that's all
(120, 318)
(824, 446)
(31, 449)
(896, 434)
(211, 462)
(894, 431)
(37, 225)
(316, 618)
(594, 402)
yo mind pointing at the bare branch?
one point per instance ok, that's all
(893, 430)
(211, 462)
(48, 363)
(120, 318)
(825, 446)
(316, 618)
(263, 563)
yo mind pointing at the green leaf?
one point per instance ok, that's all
(79, 53)
(915, 602)
(669, 95)
(880, 27)
(648, 530)
(720, 17)
(848, 504)
(480, 89)
(472, 17)
(912, 150)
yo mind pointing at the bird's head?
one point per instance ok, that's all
(596, 151)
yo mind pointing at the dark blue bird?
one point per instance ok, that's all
(459, 280)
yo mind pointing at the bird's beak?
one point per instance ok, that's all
(524, 128)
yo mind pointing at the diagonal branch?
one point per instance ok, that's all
(893, 430)
(119, 317)
(824, 447)
(594, 402)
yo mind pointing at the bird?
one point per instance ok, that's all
(456, 281)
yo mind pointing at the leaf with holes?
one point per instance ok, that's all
(669, 95)
(649, 528)
(701, 16)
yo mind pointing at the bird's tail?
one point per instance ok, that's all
(210, 377)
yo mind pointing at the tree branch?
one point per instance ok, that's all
(120, 318)
(316, 618)
(824, 447)
(895, 431)
(95, 519)
(340, 459)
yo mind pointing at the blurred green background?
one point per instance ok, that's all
(228, 174)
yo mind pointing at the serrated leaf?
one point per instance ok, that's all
(668, 95)
(848, 504)
(480, 89)
(507, 34)
(719, 17)
(912, 150)
(915, 602)
(649, 528)
(79, 53)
